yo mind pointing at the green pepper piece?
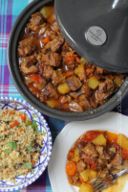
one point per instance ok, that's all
(35, 126)
(27, 165)
(7, 151)
(30, 148)
(28, 123)
(12, 145)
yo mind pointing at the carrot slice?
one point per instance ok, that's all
(70, 154)
(112, 137)
(36, 78)
(14, 124)
(45, 40)
(69, 58)
(90, 135)
(71, 168)
(125, 154)
(23, 117)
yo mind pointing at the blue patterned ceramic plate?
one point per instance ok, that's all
(34, 115)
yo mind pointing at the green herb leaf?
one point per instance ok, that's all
(30, 148)
(38, 149)
(28, 123)
(34, 126)
(2, 136)
(7, 151)
(12, 145)
(27, 165)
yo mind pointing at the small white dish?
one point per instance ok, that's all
(114, 122)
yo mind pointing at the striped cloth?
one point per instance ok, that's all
(9, 10)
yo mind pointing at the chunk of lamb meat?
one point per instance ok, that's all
(69, 59)
(99, 71)
(46, 71)
(90, 150)
(84, 102)
(57, 77)
(74, 83)
(36, 81)
(49, 91)
(35, 21)
(75, 107)
(27, 46)
(117, 161)
(52, 59)
(106, 86)
(86, 90)
(29, 60)
(100, 150)
(111, 151)
(27, 65)
(55, 44)
(55, 27)
(81, 166)
(104, 91)
(103, 173)
(66, 48)
(65, 99)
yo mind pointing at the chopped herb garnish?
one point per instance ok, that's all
(38, 149)
(28, 123)
(30, 148)
(34, 126)
(2, 136)
(7, 151)
(12, 145)
(27, 165)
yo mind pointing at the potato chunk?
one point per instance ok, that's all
(122, 141)
(92, 174)
(88, 174)
(86, 188)
(84, 175)
(63, 88)
(47, 11)
(53, 103)
(118, 81)
(79, 71)
(93, 83)
(76, 155)
(99, 140)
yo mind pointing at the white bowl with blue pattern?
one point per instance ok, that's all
(45, 154)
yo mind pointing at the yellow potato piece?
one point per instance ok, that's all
(52, 103)
(85, 175)
(85, 187)
(79, 71)
(99, 140)
(93, 83)
(63, 88)
(118, 81)
(88, 174)
(76, 155)
(47, 11)
(122, 141)
(92, 174)
(83, 60)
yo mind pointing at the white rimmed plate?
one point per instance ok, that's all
(114, 122)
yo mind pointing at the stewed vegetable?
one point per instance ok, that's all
(96, 154)
(55, 73)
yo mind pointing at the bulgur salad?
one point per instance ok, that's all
(20, 144)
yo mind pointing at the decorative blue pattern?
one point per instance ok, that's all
(45, 153)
